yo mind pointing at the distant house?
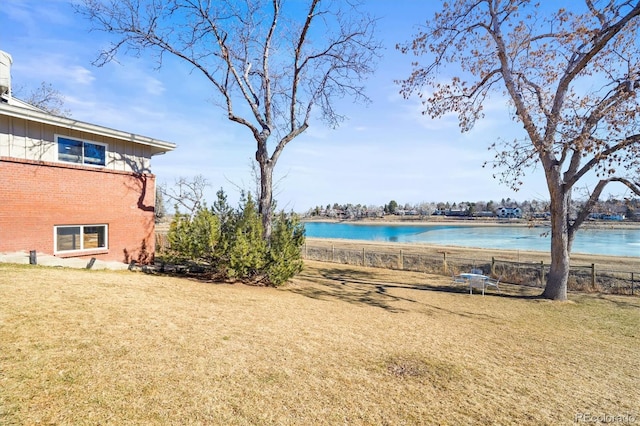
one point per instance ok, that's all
(484, 213)
(73, 189)
(544, 215)
(403, 212)
(450, 213)
(509, 212)
(606, 216)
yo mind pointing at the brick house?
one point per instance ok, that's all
(73, 189)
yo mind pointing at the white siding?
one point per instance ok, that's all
(36, 141)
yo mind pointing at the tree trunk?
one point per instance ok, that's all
(556, 287)
(265, 201)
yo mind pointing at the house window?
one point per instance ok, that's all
(80, 237)
(81, 152)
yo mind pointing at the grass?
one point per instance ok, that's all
(338, 345)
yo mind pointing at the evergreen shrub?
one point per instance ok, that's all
(230, 243)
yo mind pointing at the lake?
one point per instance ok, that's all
(612, 242)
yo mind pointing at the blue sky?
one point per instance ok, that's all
(385, 150)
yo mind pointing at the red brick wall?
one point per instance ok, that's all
(36, 196)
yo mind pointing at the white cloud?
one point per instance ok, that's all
(77, 74)
(154, 86)
(54, 68)
(36, 17)
(134, 75)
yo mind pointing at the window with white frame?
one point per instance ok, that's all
(69, 238)
(81, 152)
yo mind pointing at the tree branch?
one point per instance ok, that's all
(606, 153)
(583, 214)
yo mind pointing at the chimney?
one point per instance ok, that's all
(5, 73)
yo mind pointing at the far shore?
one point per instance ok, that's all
(439, 220)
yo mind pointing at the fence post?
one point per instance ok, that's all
(593, 275)
(363, 256)
(333, 253)
(632, 284)
(542, 272)
(444, 261)
(493, 265)
(401, 261)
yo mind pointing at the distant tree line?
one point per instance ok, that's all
(627, 208)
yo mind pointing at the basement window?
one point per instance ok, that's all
(81, 151)
(70, 238)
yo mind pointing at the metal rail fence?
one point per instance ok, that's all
(591, 278)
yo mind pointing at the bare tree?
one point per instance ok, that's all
(45, 97)
(571, 78)
(270, 66)
(187, 194)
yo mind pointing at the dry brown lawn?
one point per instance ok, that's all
(339, 345)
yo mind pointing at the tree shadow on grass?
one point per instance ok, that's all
(515, 291)
(358, 277)
(351, 291)
(360, 287)
(621, 301)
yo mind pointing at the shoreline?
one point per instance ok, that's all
(612, 262)
(422, 221)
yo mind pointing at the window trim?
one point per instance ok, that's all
(83, 141)
(81, 249)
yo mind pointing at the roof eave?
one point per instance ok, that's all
(69, 123)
